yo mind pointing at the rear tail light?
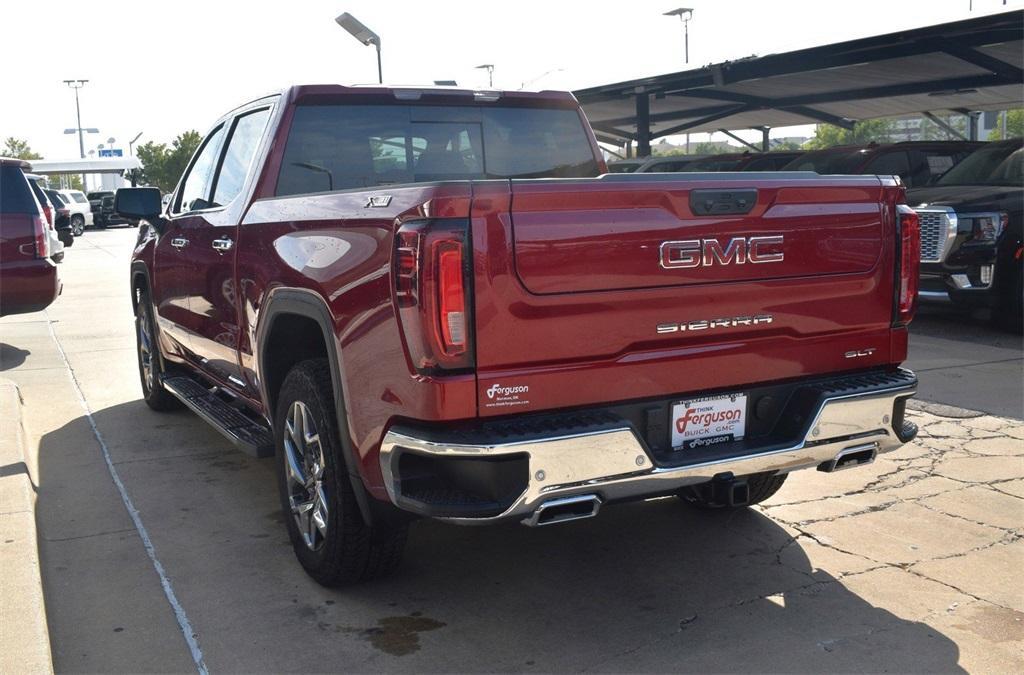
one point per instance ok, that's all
(431, 285)
(909, 237)
(41, 233)
(48, 212)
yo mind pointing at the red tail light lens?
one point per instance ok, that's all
(41, 231)
(431, 286)
(909, 233)
(452, 296)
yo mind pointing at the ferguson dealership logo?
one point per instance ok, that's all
(500, 391)
(706, 252)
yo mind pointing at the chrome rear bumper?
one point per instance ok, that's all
(613, 464)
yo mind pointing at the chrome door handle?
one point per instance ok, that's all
(179, 242)
(222, 245)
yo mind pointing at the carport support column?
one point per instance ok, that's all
(643, 124)
(972, 124)
(765, 143)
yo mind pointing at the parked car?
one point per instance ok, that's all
(62, 217)
(971, 232)
(101, 204)
(742, 161)
(81, 211)
(626, 165)
(29, 278)
(49, 214)
(668, 163)
(413, 341)
(917, 163)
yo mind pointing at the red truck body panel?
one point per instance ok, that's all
(568, 292)
(591, 335)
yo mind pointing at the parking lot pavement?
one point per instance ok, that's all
(962, 360)
(910, 564)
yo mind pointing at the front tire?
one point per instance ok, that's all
(760, 486)
(330, 538)
(78, 225)
(148, 351)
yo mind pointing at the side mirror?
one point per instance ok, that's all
(137, 203)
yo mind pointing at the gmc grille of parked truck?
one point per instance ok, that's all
(435, 303)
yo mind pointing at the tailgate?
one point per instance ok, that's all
(644, 236)
(631, 286)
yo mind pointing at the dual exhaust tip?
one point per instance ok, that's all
(737, 492)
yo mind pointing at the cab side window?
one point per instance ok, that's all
(245, 138)
(195, 190)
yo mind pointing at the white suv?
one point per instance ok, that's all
(81, 213)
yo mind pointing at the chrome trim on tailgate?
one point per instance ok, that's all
(613, 463)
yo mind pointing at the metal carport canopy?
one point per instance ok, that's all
(962, 66)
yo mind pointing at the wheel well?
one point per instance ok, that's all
(292, 338)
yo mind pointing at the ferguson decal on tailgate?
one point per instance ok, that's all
(708, 421)
(507, 396)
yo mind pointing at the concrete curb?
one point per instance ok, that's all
(24, 637)
(943, 410)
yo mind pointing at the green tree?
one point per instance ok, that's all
(868, 131)
(784, 146)
(1014, 125)
(18, 149)
(162, 166)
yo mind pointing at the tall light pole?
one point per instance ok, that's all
(360, 32)
(490, 73)
(76, 85)
(132, 142)
(684, 14)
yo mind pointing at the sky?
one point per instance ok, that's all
(161, 67)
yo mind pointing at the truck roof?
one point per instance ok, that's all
(442, 95)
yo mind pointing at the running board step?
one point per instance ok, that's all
(247, 434)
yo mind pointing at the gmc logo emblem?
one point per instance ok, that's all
(705, 252)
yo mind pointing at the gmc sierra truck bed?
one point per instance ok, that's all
(435, 303)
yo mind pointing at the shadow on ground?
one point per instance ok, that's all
(652, 586)
(11, 357)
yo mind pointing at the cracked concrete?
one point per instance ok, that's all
(910, 564)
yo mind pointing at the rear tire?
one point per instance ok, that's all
(77, 225)
(330, 538)
(148, 350)
(760, 487)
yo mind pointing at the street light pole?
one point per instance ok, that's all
(490, 73)
(360, 32)
(132, 143)
(684, 14)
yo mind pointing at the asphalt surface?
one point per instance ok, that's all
(962, 360)
(163, 549)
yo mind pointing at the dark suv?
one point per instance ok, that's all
(917, 163)
(29, 280)
(101, 203)
(971, 223)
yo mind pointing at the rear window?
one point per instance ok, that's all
(79, 197)
(338, 147)
(15, 193)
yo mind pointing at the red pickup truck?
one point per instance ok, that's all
(436, 303)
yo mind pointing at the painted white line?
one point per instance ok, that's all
(179, 612)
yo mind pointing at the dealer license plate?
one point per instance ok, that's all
(705, 422)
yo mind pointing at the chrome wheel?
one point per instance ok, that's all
(146, 350)
(77, 226)
(304, 471)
